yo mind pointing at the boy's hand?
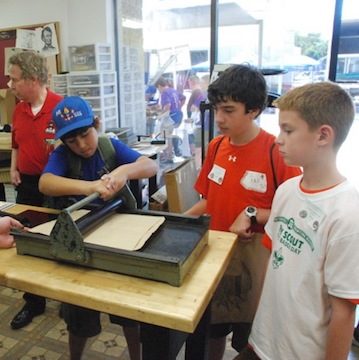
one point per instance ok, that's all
(105, 190)
(6, 224)
(242, 227)
(114, 183)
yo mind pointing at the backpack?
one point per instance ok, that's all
(108, 155)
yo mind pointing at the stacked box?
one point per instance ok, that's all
(99, 88)
(58, 84)
(94, 57)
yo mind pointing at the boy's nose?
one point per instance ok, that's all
(218, 117)
(278, 139)
(81, 143)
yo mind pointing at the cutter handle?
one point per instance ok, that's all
(82, 203)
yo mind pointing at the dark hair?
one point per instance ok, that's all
(76, 132)
(46, 28)
(162, 81)
(240, 83)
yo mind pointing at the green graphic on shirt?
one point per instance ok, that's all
(291, 236)
(278, 258)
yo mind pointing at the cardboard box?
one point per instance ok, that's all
(180, 186)
(7, 105)
(158, 200)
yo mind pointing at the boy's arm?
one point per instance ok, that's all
(198, 208)
(54, 185)
(242, 224)
(142, 168)
(340, 331)
(107, 186)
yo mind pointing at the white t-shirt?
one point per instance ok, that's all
(315, 252)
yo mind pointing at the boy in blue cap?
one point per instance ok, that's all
(76, 127)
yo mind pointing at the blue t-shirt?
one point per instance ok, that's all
(91, 168)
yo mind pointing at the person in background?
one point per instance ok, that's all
(76, 127)
(152, 109)
(199, 94)
(33, 134)
(237, 183)
(6, 224)
(171, 108)
(311, 288)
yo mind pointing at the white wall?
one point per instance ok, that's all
(81, 21)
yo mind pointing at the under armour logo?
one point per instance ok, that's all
(232, 158)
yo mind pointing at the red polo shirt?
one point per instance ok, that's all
(32, 135)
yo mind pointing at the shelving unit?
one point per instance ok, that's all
(92, 77)
(58, 84)
(100, 90)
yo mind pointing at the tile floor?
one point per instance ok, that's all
(46, 337)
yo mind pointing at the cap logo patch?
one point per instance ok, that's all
(68, 114)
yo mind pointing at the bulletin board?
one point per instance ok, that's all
(8, 40)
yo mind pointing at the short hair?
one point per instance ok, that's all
(76, 132)
(194, 78)
(161, 82)
(46, 28)
(323, 103)
(240, 83)
(32, 65)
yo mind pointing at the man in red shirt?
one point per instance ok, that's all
(32, 142)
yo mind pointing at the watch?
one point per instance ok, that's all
(251, 212)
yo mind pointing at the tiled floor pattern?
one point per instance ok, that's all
(46, 337)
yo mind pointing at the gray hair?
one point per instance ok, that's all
(32, 65)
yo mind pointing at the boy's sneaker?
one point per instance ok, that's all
(355, 341)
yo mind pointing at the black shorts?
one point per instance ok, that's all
(84, 322)
(240, 334)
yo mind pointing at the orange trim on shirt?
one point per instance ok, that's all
(317, 191)
(354, 301)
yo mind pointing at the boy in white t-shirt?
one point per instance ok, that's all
(307, 307)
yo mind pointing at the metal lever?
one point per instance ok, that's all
(80, 204)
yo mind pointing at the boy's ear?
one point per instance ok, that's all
(254, 113)
(326, 135)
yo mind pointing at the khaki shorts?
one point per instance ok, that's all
(236, 298)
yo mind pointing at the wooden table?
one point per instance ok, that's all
(169, 313)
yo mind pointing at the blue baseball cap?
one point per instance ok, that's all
(151, 89)
(70, 114)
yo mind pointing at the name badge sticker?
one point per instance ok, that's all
(254, 181)
(217, 174)
(315, 216)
